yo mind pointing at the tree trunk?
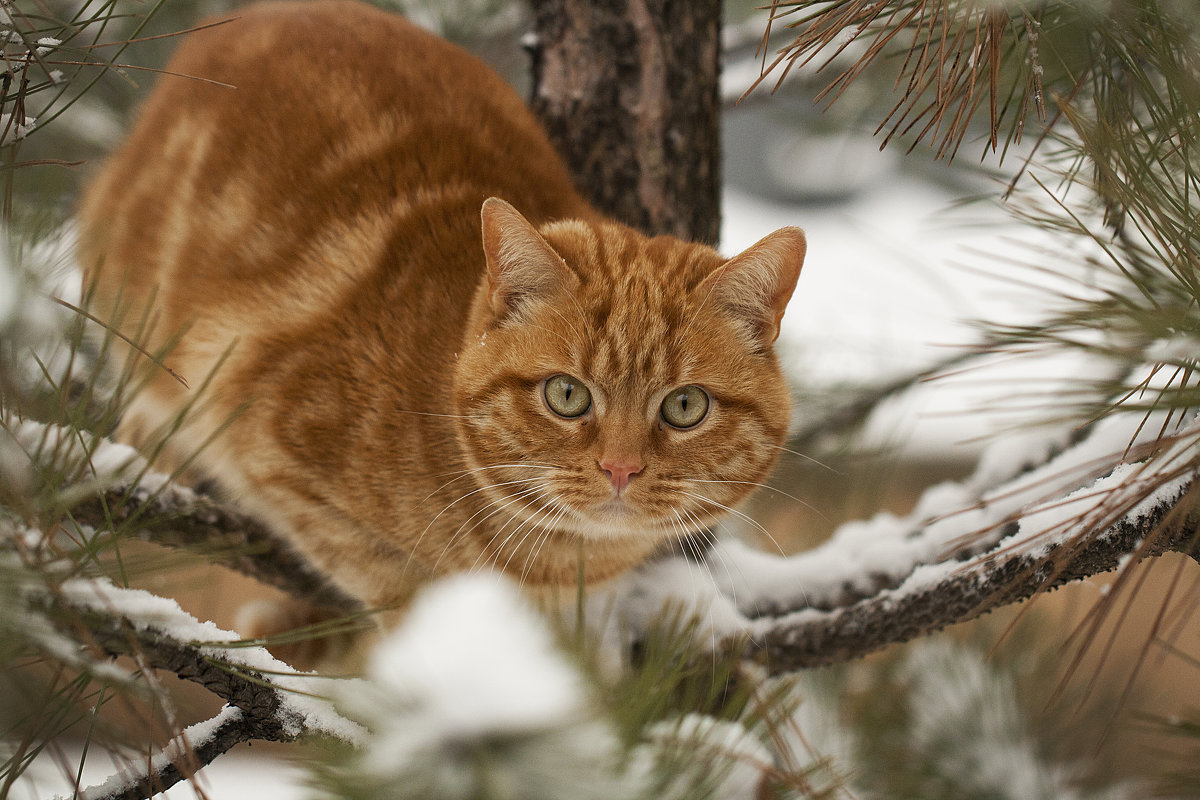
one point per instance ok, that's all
(628, 90)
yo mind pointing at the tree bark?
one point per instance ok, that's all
(629, 92)
(175, 516)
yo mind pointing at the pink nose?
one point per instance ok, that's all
(620, 472)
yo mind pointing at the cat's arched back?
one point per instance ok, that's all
(400, 377)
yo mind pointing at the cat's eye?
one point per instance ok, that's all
(567, 396)
(685, 407)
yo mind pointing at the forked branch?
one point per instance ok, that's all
(932, 598)
(265, 698)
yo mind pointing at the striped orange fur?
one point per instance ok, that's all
(373, 345)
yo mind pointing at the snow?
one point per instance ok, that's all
(177, 750)
(1046, 518)
(430, 666)
(17, 125)
(737, 758)
(9, 291)
(964, 712)
(31, 273)
(241, 773)
(635, 599)
(24, 444)
(471, 692)
(1084, 486)
(1181, 350)
(304, 695)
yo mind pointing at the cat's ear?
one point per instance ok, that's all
(754, 286)
(521, 265)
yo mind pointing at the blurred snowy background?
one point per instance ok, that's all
(905, 254)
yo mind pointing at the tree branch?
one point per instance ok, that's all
(176, 516)
(948, 563)
(266, 699)
(192, 749)
(930, 601)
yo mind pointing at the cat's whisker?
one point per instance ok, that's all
(689, 535)
(473, 470)
(542, 529)
(557, 510)
(583, 315)
(434, 414)
(804, 456)
(684, 537)
(538, 544)
(694, 528)
(468, 472)
(566, 341)
(458, 533)
(707, 559)
(570, 325)
(740, 515)
(502, 503)
(497, 549)
(769, 488)
(682, 335)
(464, 497)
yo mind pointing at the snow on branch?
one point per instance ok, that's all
(266, 699)
(1043, 508)
(109, 487)
(194, 747)
(936, 596)
(1040, 511)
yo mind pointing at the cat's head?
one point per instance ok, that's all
(616, 385)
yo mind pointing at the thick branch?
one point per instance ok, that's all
(628, 91)
(175, 516)
(249, 690)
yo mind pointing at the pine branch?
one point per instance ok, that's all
(266, 699)
(175, 516)
(192, 749)
(250, 691)
(942, 579)
(925, 604)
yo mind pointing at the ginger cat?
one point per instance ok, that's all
(429, 352)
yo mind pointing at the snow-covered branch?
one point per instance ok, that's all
(193, 748)
(1041, 510)
(938, 595)
(266, 699)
